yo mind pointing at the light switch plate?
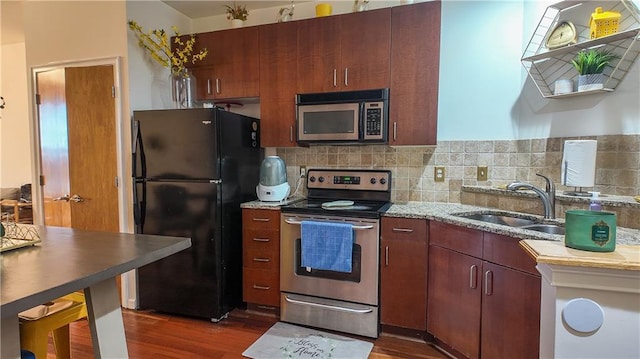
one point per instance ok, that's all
(482, 173)
(438, 174)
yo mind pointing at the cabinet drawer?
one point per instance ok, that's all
(261, 238)
(404, 228)
(459, 239)
(506, 251)
(261, 287)
(261, 219)
(259, 258)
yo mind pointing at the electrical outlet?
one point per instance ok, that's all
(303, 171)
(438, 174)
(482, 173)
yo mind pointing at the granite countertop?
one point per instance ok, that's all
(625, 257)
(605, 199)
(443, 212)
(257, 204)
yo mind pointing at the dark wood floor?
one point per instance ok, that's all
(160, 336)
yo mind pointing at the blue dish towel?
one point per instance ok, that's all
(327, 246)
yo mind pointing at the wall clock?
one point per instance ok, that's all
(562, 35)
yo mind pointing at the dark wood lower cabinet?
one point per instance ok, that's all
(454, 304)
(403, 273)
(510, 313)
(485, 307)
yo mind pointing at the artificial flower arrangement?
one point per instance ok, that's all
(159, 47)
(237, 12)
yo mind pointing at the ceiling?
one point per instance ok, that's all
(196, 9)
(12, 31)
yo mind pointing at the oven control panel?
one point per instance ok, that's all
(365, 180)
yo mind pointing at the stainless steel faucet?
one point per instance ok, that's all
(548, 196)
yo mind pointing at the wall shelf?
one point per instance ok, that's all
(546, 66)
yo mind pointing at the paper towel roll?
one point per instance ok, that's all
(579, 163)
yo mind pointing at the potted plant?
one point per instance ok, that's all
(175, 54)
(237, 14)
(590, 64)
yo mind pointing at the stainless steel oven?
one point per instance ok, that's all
(336, 300)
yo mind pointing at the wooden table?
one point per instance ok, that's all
(68, 260)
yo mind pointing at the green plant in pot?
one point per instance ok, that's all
(237, 14)
(590, 64)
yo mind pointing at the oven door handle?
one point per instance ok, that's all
(325, 306)
(369, 226)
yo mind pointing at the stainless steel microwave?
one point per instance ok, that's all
(353, 117)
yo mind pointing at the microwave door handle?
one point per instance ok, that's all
(362, 122)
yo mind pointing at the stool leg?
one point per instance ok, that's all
(35, 341)
(61, 342)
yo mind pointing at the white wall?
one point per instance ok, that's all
(15, 149)
(148, 80)
(600, 114)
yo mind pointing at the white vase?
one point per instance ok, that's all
(590, 82)
(183, 87)
(236, 23)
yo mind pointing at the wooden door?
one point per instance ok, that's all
(80, 120)
(236, 63)
(205, 82)
(510, 313)
(365, 45)
(318, 54)
(278, 77)
(54, 146)
(415, 66)
(92, 148)
(403, 273)
(454, 300)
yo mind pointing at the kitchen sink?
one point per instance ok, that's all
(546, 228)
(505, 219)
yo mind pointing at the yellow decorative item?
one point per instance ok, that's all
(637, 198)
(159, 47)
(323, 10)
(603, 23)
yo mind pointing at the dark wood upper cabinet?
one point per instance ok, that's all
(232, 67)
(278, 78)
(344, 52)
(415, 66)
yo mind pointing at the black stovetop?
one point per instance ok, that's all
(360, 208)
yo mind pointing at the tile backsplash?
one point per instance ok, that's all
(617, 164)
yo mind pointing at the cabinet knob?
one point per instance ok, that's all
(473, 277)
(488, 282)
(386, 256)
(395, 130)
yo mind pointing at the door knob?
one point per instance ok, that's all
(76, 198)
(63, 198)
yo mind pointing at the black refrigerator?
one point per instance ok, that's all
(192, 168)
